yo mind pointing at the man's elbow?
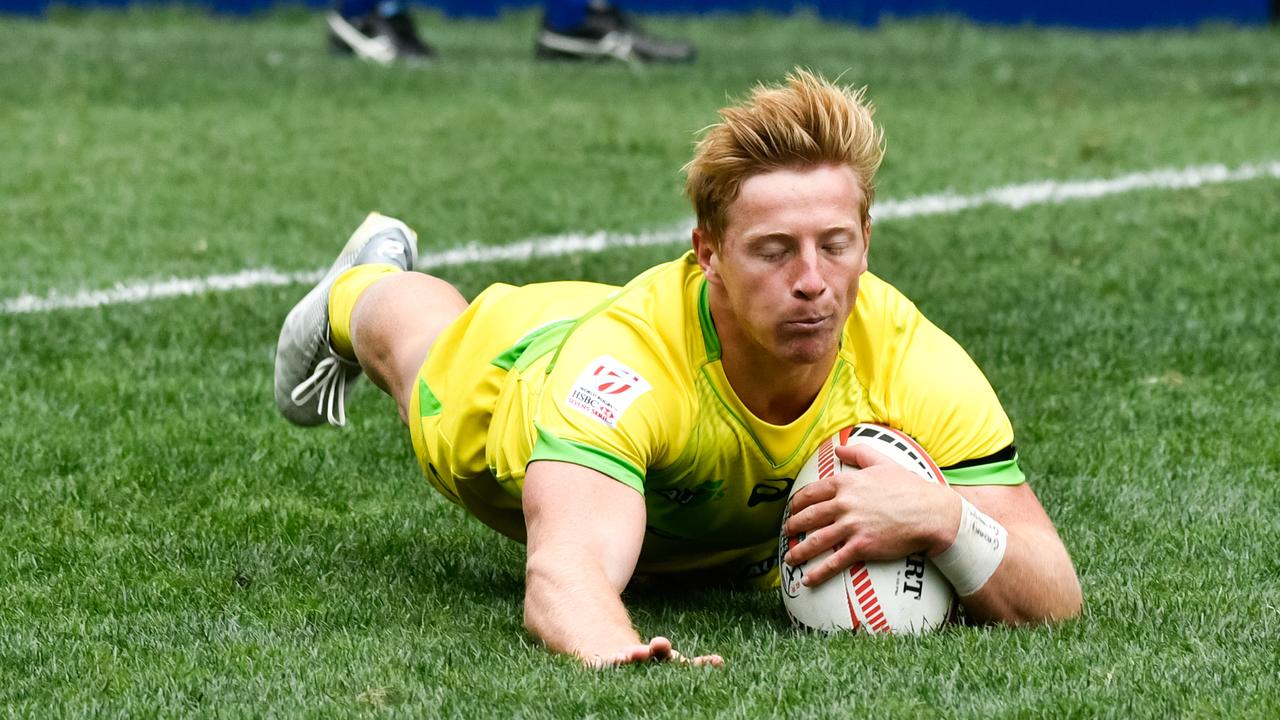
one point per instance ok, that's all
(1070, 604)
(1028, 600)
(1055, 595)
(1065, 603)
(1069, 598)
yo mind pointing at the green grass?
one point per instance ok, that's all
(172, 548)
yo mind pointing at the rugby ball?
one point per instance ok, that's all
(907, 596)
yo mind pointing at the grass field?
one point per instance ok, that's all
(170, 547)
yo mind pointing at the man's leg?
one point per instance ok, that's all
(317, 362)
(393, 325)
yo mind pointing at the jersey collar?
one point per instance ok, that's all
(710, 340)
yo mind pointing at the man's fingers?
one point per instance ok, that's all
(862, 456)
(707, 661)
(839, 561)
(663, 652)
(625, 656)
(802, 522)
(812, 494)
(814, 544)
(660, 649)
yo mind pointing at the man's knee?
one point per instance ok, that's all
(394, 324)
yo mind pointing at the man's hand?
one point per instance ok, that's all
(656, 650)
(585, 531)
(885, 512)
(881, 512)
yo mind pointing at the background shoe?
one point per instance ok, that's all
(312, 380)
(382, 39)
(608, 33)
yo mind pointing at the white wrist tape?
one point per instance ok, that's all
(976, 553)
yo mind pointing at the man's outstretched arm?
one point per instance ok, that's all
(585, 531)
(883, 512)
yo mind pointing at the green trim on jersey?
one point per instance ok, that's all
(550, 447)
(709, 337)
(535, 344)
(1005, 472)
(824, 394)
(428, 404)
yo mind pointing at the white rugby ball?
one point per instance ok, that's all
(900, 596)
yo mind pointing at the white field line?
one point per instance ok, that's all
(1010, 196)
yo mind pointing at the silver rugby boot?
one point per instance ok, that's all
(312, 380)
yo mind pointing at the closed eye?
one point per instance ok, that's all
(771, 251)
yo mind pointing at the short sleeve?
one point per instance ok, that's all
(607, 405)
(930, 388)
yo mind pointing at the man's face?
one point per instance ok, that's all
(788, 265)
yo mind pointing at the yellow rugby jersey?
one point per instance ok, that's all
(628, 381)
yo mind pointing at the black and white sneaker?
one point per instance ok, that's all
(382, 39)
(608, 33)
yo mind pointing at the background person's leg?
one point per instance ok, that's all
(377, 30)
(597, 29)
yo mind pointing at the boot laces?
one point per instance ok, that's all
(327, 385)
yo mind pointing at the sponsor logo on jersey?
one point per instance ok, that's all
(605, 389)
(709, 490)
(770, 491)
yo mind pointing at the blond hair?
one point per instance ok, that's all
(806, 122)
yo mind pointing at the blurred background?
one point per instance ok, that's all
(1101, 14)
(1082, 193)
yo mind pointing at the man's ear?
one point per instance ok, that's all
(866, 240)
(708, 258)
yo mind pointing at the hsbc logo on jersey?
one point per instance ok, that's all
(605, 389)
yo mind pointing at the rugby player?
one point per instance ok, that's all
(656, 427)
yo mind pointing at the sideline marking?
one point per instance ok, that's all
(1014, 197)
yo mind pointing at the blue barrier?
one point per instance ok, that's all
(1096, 14)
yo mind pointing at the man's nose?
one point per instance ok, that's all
(809, 283)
